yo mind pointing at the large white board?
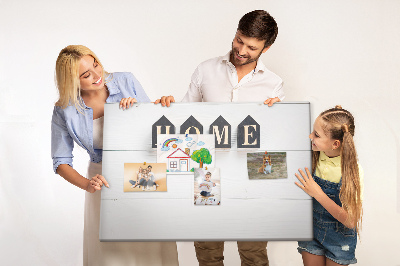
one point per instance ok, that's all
(250, 209)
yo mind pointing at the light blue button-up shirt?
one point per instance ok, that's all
(69, 125)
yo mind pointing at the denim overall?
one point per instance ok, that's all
(331, 238)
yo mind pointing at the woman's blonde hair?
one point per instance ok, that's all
(67, 75)
(339, 125)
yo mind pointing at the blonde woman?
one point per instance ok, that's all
(84, 87)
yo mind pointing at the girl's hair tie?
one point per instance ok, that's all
(345, 128)
(338, 107)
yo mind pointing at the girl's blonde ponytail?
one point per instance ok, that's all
(339, 125)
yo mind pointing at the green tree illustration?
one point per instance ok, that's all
(202, 156)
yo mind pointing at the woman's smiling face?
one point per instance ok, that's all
(90, 74)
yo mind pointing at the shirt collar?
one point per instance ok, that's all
(111, 84)
(260, 64)
(335, 160)
(226, 57)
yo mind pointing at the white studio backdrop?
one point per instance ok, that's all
(327, 53)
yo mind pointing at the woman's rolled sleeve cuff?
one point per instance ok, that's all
(58, 161)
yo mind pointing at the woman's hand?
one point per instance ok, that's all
(96, 183)
(125, 103)
(165, 100)
(308, 184)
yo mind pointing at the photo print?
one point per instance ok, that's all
(183, 153)
(207, 186)
(266, 165)
(140, 177)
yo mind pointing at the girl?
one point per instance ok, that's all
(336, 190)
(144, 179)
(84, 87)
(138, 177)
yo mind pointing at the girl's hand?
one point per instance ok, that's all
(308, 184)
(165, 100)
(125, 103)
(96, 183)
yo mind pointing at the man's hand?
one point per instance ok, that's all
(271, 101)
(165, 100)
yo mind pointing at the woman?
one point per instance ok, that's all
(84, 87)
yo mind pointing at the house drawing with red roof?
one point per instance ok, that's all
(178, 161)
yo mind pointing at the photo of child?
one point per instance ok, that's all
(139, 177)
(266, 165)
(207, 186)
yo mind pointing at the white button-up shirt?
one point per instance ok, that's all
(216, 80)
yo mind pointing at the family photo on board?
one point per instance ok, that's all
(142, 177)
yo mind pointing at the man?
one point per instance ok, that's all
(239, 76)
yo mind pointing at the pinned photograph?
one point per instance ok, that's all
(207, 186)
(140, 177)
(266, 165)
(183, 153)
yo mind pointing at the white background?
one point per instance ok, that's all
(327, 52)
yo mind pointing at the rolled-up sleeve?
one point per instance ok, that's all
(62, 143)
(138, 90)
(194, 93)
(278, 91)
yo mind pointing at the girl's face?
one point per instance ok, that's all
(322, 142)
(90, 74)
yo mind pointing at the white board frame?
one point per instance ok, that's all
(250, 210)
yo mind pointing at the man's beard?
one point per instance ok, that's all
(249, 60)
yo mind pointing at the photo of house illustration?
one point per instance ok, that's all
(179, 161)
(184, 152)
